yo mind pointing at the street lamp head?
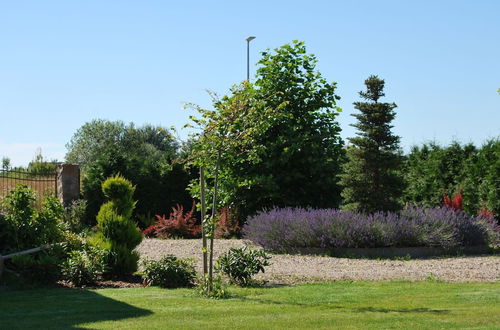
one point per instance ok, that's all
(250, 39)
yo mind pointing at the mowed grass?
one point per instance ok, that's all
(384, 305)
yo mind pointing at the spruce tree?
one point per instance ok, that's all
(371, 180)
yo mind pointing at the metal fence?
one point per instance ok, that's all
(42, 184)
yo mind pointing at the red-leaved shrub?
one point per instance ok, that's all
(228, 225)
(177, 225)
(484, 212)
(456, 202)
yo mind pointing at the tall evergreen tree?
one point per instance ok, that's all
(371, 180)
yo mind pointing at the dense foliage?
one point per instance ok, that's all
(117, 233)
(371, 180)
(169, 272)
(276, 142)
(145, 155)
(284, 229)
(23, 227)
(241, 264)
(431, 169)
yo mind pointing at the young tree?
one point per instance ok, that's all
(225, 139)
(371, 179)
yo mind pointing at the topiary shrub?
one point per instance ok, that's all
(169, 272)
(117, 234)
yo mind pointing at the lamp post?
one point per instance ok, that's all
(248, 57)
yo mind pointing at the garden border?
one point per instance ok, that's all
(395, 252)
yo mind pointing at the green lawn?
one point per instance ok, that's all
(385, 305)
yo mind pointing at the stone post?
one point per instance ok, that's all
(68, 183)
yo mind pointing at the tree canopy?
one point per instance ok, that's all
(278, 140)
(144, 155)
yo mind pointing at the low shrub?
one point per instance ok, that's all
(241, 264)
(40, 268)
(169, 272)
(82, 267)
(177, 225)
(288, 228)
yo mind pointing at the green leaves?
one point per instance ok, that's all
(278, 139)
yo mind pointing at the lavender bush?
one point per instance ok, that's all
(288, 228)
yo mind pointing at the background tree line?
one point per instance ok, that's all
(277, 143)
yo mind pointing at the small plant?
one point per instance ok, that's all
(177, 225)
(433, 278)
(74, 215)
(169, 272)
(83, 266)
(241, 264)
(215, 289)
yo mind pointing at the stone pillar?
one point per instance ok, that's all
(68, 183)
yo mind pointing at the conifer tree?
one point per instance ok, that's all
(371, 180)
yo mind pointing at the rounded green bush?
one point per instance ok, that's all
(169, 272)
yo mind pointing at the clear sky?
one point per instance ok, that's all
(64, 63)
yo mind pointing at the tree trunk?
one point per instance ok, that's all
(213, 221)
(203, 223)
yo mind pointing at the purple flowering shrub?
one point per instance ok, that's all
(288, 228)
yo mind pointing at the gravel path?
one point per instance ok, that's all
(302, 268)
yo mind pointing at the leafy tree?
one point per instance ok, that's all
(275, 143)
(6, 163)
(371, 178)
(289, 150)
(145, 155)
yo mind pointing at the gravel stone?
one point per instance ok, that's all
(307, 268)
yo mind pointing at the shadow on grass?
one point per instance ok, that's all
(60, 308)
(403, 310)
(359, 310)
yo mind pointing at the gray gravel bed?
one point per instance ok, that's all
(306, 268)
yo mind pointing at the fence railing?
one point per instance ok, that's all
(43, 184)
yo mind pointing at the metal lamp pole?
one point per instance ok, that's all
(248, 57)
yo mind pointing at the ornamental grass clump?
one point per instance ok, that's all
(289, 228)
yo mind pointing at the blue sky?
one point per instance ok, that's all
(63, 63)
